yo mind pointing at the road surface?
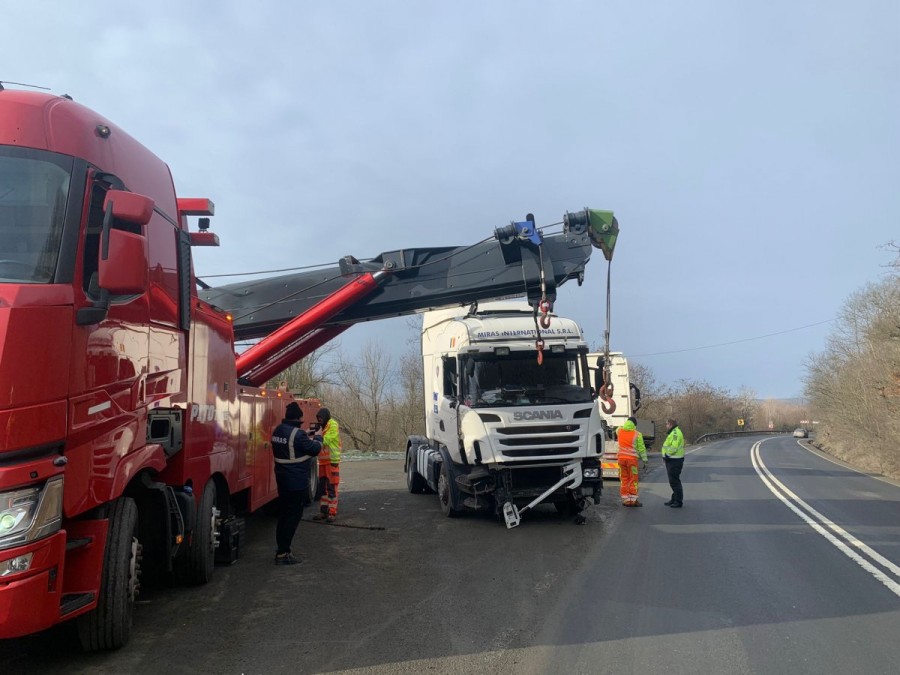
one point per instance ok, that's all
(780, 562)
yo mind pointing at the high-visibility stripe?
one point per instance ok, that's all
(292, 458)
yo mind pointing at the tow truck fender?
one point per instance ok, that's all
(151, 456)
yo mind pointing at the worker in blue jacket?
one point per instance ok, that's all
(293, 450)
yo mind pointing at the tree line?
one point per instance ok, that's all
(703, 408)
(379, 399)
(853, 385)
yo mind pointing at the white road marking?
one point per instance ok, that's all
(816, 521)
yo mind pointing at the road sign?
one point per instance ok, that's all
(771, 425)
(740, 423)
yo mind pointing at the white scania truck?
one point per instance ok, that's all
(508, 425)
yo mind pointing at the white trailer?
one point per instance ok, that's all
(627, 398)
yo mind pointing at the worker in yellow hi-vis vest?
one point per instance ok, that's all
(673, 456)
(329, 465)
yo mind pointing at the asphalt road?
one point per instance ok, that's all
(739, 581)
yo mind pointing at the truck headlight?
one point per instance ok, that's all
(592, 473)
(30, 513)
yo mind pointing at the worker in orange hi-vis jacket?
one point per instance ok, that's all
(329, 465)
(631, 447)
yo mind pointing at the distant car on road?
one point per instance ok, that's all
(801, 433)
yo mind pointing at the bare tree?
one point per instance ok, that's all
(307, 377)
(408, 401)
(854, 384)
(361, 397)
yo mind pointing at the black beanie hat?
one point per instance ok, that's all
(293, 411)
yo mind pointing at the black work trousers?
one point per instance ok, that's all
(673, 470)
(290, 511)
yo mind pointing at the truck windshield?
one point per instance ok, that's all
(34, 188)
(517, 379)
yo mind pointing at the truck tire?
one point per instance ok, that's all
(570, 507)
(313, 493)
(445, 493)
(108, 626)
(201, 558)
(415, 482)
(320, 485)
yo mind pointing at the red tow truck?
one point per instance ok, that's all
(132, 437)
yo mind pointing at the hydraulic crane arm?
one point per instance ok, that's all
(517, 260)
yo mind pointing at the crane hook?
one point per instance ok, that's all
(607, 405)
(607, 402)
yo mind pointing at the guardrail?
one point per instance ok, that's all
(731, 434)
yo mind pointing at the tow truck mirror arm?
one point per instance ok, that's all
(122, 267)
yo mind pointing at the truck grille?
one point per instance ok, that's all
(539, 440)
(540, 452)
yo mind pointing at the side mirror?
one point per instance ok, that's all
(129, 206)
(124, 271)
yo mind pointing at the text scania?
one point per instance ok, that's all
(538, 415)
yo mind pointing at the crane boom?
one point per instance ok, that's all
(418, 279)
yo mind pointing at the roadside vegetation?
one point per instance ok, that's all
(854, 384)
(702, 408)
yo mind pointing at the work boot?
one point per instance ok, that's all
(331, 519)
(676, 505)
(668, 503)
(286, 559)
(320, 516)
(636, 503)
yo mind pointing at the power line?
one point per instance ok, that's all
(734, 342)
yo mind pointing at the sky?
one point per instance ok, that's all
(750, 150)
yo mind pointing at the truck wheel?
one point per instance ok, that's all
(320, 486)
(570, 507)
(313, 493)
(201, 558)
(445, 495)
(414, 481)
(108, 626)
